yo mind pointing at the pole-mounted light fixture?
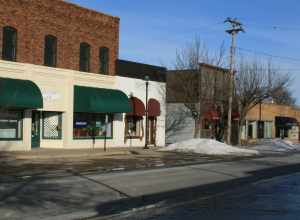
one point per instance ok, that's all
(146, 113)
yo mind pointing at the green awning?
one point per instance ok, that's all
(20, 94)
(99, 100)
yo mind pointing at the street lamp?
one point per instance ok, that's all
(146, 136)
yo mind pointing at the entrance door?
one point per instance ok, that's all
(261, 129)
(35, 130)
(250, 131)
(152, 131)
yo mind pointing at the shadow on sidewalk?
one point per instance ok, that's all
(32, 193)
(193, 193)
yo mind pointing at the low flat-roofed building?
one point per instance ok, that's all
(270, 120)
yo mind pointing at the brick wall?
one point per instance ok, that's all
(214, 86)
(71, 24)
(270, 111)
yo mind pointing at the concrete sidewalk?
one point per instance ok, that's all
(83, 196)
(45, 153)
(59, 161)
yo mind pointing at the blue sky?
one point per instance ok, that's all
(152, 31)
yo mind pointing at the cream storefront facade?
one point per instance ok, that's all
(54, 125)
(156, 125)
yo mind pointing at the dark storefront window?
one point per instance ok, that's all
(134, 126)
(104, 60)
(250, 131)
(9, 44)
(84, 64)
(11, 125)
(50, 51)
(283, 125)
(92, 125)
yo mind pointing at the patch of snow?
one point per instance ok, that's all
(208, 147)
(276, 145)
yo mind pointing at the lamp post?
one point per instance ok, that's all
(146, 136)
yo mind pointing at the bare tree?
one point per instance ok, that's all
(187, 84)
(283, 96)
(256, 82)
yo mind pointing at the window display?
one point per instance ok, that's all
(11, 125)
(92, 125)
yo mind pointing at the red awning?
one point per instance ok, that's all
(235, 116)
(211, 115)
(138, 107)
(153, 108)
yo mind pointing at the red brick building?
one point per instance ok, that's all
(62, 85)
(69, 23)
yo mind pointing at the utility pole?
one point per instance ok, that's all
(236, 27)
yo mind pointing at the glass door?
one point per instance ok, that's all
(35, 130)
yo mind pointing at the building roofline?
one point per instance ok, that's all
(88, 9)
(295, 107)
(214, 67)
(144, 64)
(136, 70)
(202, 65)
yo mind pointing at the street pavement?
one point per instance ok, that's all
(96, 195)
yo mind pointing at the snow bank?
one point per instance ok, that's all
(276, 145)
(208, 147)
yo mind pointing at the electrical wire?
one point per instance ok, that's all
(269, 55)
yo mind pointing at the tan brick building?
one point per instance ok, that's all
(270, 120)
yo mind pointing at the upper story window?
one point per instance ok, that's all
(84, 63)
(9, 45)
(104, 60)
(50, 52)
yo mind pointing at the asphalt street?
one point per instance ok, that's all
(83, 196)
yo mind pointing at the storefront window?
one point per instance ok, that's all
(52, 125)
(206, 124)
(268, 128)
(134, 126)
(11, 125)
(92, 125)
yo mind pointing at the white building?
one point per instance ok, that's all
(60, 109)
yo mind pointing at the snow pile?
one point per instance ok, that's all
(276, 145)
(208, 147)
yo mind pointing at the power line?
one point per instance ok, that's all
(273, 27)
(269, 55)
(286, 28)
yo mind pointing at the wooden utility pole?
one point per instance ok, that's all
(236, 27)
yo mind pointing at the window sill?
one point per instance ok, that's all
(134, 137)
(91, 138)
(11, 139)
(52, 139)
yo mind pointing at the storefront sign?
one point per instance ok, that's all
(51, 96)
(80, 124)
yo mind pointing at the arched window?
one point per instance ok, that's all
(50, 51)
(104, 60)
(84, 64)
(9, 45)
